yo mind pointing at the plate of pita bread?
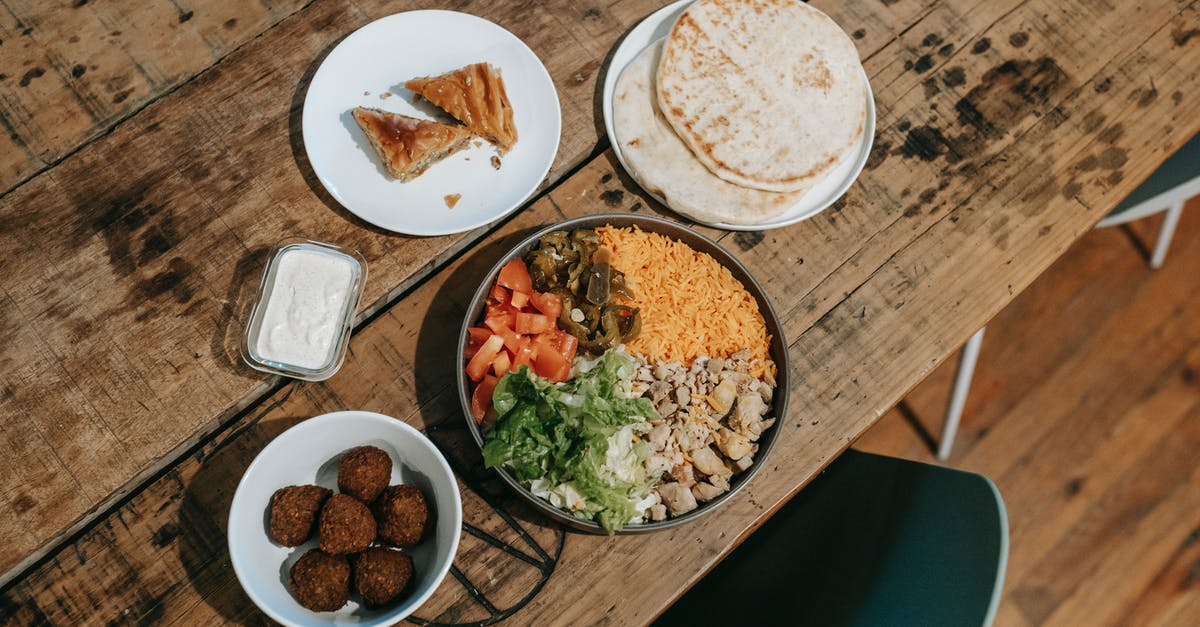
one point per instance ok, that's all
(431, 122)
(740, 114)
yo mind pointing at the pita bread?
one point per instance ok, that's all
(662, 164)
(768, 94)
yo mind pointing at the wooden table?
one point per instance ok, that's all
(152, 153)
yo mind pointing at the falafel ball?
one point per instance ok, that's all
(363, 472)
(320, 581)
(381, 575)
(402, 515)
(346, 525)
(294, 512)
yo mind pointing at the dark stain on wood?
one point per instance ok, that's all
(923, 64)
(637, 206)
(1104, 85)
(946, 50)
(36, 72)
(932, 39)
(927, 195)
(185, 16)
(174, 281)
(1018, 39)
(1181, 37)
(606, 178)
(1092, 121)
(904, 125)
(78, 71)
(879, 153)
(23, 503)
(1044, 231)
(859, 34)
(613, 197)
(1189, 377)
(121, 96)
(230, 23)
(165, 535)
(1177, 97)
(1146, 97)
(1114, 177)
(925, 143)
(1113, 158)
(908, 64)
(1111, 134)
(1074, 486)
(981, 46)
(591, 14)
(931, 88)
(954, 77)
(746, 240)
(1071, 190)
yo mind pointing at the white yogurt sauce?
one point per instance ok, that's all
(303, 316)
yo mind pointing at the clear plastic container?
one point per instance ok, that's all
(302, 317)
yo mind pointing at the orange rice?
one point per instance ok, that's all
(691, 306)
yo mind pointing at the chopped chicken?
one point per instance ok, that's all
(723, 396)
(683, 474)
(706, 491)
(733, 444)
(678, 498)
(659, 435)
(708, 462)
(657, 512)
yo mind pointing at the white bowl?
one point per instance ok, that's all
(308, 453)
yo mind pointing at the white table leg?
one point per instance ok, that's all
(958, 396)
(1170, 221)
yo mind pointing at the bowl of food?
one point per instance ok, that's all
(350, 516)
(622, 372)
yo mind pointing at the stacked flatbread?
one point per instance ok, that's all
(741, 109)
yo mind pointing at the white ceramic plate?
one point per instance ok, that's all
(377, 59)
(831, 187)
(308, 453)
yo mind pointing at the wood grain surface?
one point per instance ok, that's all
(1004, 133)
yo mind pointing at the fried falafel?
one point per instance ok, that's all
(363, 472)
(320, 581)
(294, 512)
(381, 575)
(346, 525)
(402, 515)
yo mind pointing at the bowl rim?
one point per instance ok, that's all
(413, 604)
(663, 226)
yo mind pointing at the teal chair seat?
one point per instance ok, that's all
(872, 541)
(1177, 170)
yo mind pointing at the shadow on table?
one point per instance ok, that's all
(204, 514)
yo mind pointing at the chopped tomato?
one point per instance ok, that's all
(482, 359)
(511, 340)
(520, 300)
(515, 276)
(475, 338)
(499, 296)
(567, 345)
(525, 355)
(549, 304)
(549, 362)
(532, 324)
(501, 363)
(481, 399)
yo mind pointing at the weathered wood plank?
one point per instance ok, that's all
(70, 71)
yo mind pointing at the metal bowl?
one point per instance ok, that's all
(700, 243)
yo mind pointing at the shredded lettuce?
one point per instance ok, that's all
(575, 443)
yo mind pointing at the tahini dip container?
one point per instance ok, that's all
(301, 321)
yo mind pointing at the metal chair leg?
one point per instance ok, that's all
(1170, 221)
(958, 396)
